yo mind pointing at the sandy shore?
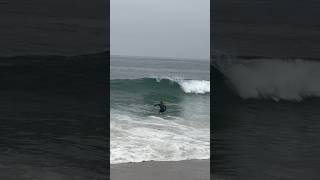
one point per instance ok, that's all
(152, 170)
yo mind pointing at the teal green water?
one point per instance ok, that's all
(140, 133)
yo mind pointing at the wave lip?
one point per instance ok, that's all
(195, 86)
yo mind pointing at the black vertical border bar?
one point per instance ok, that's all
(211, 89)
(108, 83)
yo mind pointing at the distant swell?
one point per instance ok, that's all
(276, 79)
(169, 85)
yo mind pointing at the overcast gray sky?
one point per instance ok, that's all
(160, 28)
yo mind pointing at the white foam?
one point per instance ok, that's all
(274, 79)
(190, 86)
(195, 86)
(136, 139)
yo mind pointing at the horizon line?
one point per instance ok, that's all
(157, 57)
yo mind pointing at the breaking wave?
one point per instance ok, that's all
(169, 85)
(276, 79)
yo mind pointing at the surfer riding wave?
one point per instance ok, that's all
(162, 107)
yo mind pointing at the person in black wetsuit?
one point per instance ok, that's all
(162, 107)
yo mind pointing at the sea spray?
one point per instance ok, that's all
(275, 79)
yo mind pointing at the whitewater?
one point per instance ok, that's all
(137, 139)
(192, 86)
(274, 79)
(138, 132)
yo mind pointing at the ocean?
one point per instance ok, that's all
(138, 132)
(265, 118)
(53, 120)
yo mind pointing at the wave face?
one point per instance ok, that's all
(140, 133)
(275, 79)
(170, 85)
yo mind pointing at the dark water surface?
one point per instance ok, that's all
(268, 140)
(53, 120)
(264, 139)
